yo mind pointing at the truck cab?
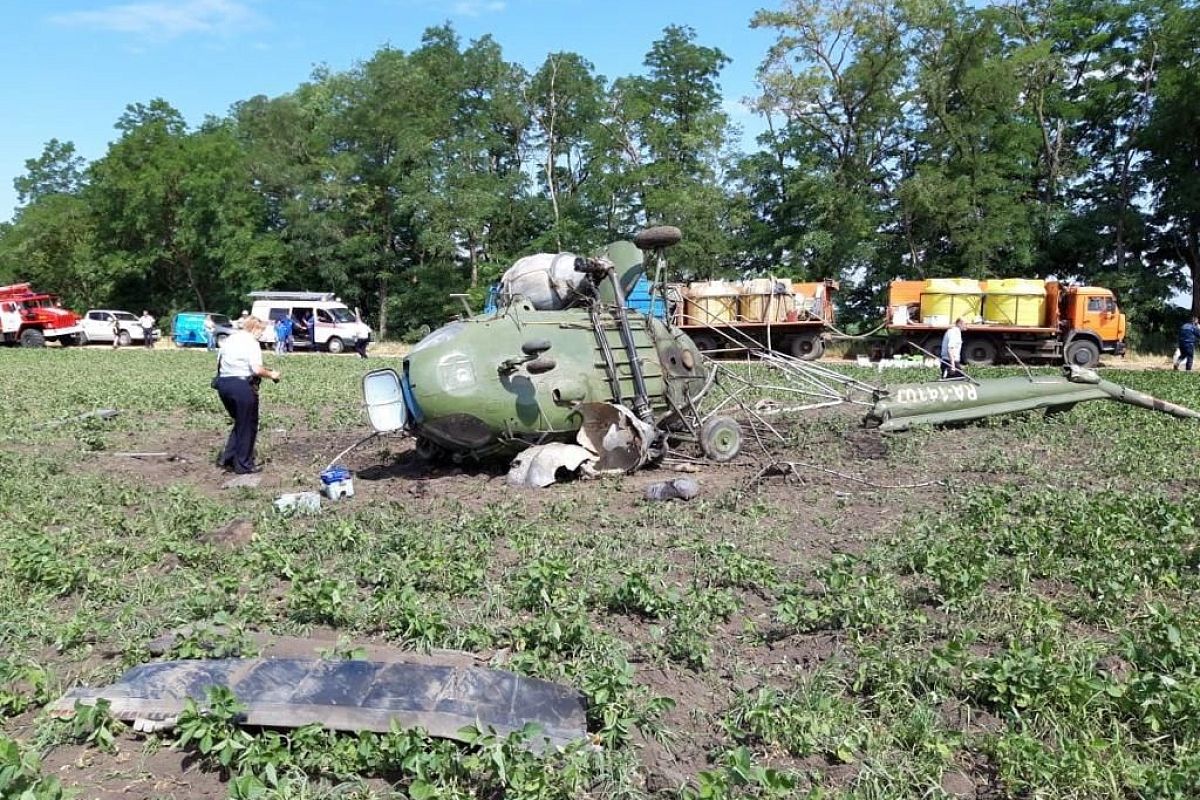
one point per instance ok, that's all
(1092, 323)
(30, 318)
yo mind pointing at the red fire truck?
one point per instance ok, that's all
(30, 318)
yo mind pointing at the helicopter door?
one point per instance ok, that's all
(385, 401)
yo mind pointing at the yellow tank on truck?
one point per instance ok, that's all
(1015, 301)
(945, 300)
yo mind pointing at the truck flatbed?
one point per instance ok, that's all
(758, 326)
(801, 339)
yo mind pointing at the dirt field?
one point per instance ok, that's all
(817, 631)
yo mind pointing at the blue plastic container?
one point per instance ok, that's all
(336, 483)
(334, 474)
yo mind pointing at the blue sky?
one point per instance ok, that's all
(72, 66)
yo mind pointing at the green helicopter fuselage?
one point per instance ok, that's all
(495, 383)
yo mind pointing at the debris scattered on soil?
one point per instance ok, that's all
(102, 413)
(539, 466)
(298, 503)
(678, 489)
(795, 469)
(343, 695)
(168, 456)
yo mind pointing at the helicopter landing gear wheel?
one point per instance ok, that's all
(660, 236)
(721, 439)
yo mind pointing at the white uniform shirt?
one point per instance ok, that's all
(952, 344)
(240, 354)
(146, 321)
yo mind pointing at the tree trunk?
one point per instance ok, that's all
(474, 263)
(550, 126)
(383, 298)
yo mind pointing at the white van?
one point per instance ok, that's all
(334, 326)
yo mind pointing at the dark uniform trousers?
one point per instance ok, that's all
(240, 397)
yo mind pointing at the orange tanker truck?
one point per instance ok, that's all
(1026, 319)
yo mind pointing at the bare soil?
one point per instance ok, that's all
(847, 488)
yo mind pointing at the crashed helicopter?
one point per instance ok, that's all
(563, 376)
(562, 368)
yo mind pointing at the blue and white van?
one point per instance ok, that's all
(334, 326)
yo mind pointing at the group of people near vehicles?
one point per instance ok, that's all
(145, 322)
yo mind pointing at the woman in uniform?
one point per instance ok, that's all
(239, 372)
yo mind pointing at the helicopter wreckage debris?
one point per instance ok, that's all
(600, 389)
(442, 696)
(611, 441)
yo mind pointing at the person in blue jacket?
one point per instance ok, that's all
(1189, 334)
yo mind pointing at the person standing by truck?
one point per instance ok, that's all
(1188, 336)
(951, 355)
(240, 370)
(147, 323)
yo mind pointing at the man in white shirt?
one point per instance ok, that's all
(951, 353)
(147, 323)
(239, 371)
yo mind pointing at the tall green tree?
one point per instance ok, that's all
(971, 199)
(672, 133)
(58, 170)
(566, 102)
(176, 215)
(1171, 139)
(834, 80)
(52, 241)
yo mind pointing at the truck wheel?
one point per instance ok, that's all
(804, 346)
(932, 346)
(124, 339)
(705, 342)
(979, 352)
(32, 337)
(335, 345)
(721, 439)
(1083, 353)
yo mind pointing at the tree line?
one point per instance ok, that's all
(914, 138)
